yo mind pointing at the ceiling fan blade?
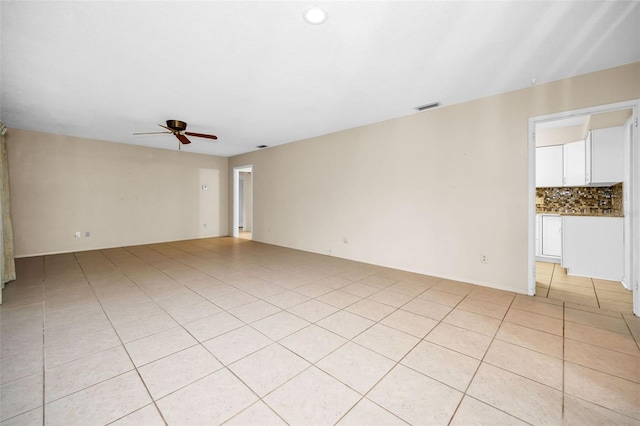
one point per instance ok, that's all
(201, 135)
(168, 128)
(150, 133)
(182, 138)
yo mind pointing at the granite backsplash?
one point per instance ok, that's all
(581, 200)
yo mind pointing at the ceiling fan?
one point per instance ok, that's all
(177, 128)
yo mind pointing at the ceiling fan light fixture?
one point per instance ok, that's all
(315, 15)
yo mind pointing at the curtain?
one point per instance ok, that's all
(8, 263)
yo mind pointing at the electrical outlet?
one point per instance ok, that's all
(77, 235)
(484, 258)
(87, 233)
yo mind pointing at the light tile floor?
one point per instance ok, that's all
(232, 331)
(553, 282)
(246, 235)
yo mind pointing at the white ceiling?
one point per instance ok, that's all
(256, 73)
(571, 129)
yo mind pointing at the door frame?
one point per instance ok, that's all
(631, 195)
(236, 196)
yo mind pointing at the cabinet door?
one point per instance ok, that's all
(607, 155)
(549, 166)
(551, 236)
(574, 164)
(594, 247)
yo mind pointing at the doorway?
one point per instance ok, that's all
(631, 189)
(243, 202)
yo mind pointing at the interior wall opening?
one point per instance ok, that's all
(583, 206)
(243, 202)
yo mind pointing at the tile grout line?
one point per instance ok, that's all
(595, 298)
(363, 396)
(464, 393)
(399, 362)
(198, 342)
(595, 292)
(135, 367)
(314, 364)
(633, 336)
(441, 321)
(226, 367)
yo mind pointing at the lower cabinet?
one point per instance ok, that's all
(551, 236)
(593, 246)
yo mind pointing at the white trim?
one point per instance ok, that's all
(531, 216)
(236, 196)
(632, 207)
(628, 223)
(632, 213)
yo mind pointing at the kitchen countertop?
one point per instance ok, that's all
(591, 214)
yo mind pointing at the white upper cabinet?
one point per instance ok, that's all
(607, 155)
(549, 166)
(574, 164)
(596, 161)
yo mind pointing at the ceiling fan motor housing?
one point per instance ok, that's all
(176, 125)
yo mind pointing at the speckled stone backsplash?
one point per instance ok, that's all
(581, 200)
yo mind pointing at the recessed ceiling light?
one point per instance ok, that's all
(315, 15)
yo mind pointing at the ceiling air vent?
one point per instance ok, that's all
(428, 106)
(262, 146)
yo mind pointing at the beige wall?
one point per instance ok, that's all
(122, 194)
(429, 192)
(561, 135)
